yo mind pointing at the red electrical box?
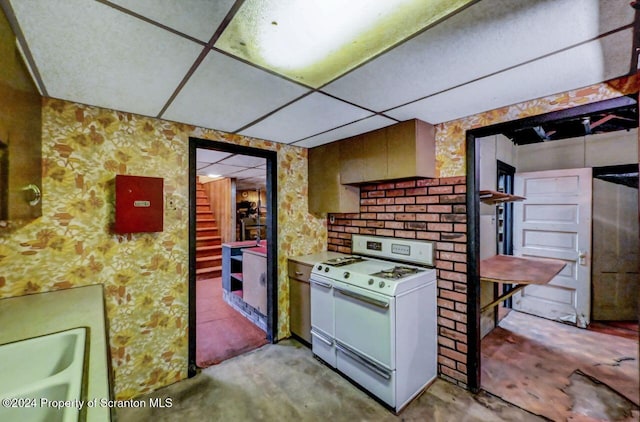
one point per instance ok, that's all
(139, 204)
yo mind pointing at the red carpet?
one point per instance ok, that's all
(221, 331)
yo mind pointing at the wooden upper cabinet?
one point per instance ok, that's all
(375, 152)
(326, 193)
(351, 160)
(411, 150)
(404, 150)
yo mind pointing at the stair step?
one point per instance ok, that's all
(207, 270)
(202, 252)
(204, 231)
(208, 241)
(208, 264)
(209, 238)
(209, 248)
(209, 258)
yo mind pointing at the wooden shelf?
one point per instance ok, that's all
(493, 197)
(519, 271)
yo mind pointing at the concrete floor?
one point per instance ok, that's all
(284, 382)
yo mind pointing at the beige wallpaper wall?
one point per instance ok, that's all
(145, 275)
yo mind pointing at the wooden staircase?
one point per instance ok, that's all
(208, 240)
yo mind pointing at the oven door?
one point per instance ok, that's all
(322, 319)
(374, 378)
(365, 323)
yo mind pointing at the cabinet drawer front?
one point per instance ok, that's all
(299, 271)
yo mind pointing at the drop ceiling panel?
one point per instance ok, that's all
(490, 36)
(578, 67)
(356, 128)
(250, 173)
(244, 161)
(91, 53)
(211, 155)
(309, 116)
(196, 18)
(226, 94)
(221, 169)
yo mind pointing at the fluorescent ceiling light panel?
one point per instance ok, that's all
(314, 42)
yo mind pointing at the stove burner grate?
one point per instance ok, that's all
(340, 261)
(397, 272)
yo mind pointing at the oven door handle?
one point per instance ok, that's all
(373, 367)
(320, 337)
(375, 302)
(320, 283)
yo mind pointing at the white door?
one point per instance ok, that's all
(555, 222)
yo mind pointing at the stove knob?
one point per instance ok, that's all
(370, 281)
(319, 267)
(381, 284)
(326, 269)
(346, 274)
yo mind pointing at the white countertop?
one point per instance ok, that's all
(39, 314)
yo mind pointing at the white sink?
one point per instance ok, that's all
(43, 369)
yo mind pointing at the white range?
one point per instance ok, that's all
(373, 316)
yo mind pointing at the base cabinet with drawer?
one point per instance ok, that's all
(300, 300)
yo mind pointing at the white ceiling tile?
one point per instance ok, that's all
(244, 161)
(197, 18)
(210, 155)
(355, 128)
(221, 169)
(91, 53)
(250, 173)
(578, 67)
(226, 94)
(312, 114)
(490, 36)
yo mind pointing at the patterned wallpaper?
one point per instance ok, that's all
(450, 136)
(145, 275)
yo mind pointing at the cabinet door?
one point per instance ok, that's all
(300, 308)
(401, 160)
(411, 147)
(326, 193)
(375, 152)
(254, 281)
(351, 160)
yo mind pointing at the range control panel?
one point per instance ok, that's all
(420, 252)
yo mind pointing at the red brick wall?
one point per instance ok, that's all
(431, 209)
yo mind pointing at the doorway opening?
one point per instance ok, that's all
(232, 251)
(511, 358)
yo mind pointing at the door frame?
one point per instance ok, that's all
(272, 238)
(473, 213)
(508, 171)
